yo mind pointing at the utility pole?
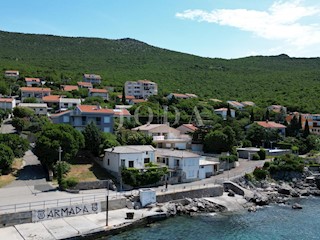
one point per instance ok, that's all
(107, 210)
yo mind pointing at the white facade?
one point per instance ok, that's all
(38, 108)
(133, 156)
(7, 103)
(141, 89)
(68, 102)
(223, 112)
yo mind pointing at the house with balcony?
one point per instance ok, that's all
(33, 82)
(38, 108)
(84, 114)
(133, 156)
(61, 102)
(141, 89)
(165, 136)
(128, 98)
(36, 92)
(313, 121)
(223, 112)
(12, 74)
(84, 85)
(92, 78)
(7, 103)
(94, 92)
(281, 129)
(277, 109)
(183, 166)
(121, 114)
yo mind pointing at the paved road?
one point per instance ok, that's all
(31, 174)
(6, 127)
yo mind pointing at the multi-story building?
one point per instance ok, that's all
(38, 108)
(84, 84)
(84, 114)
(7, 103)
(92, 78)
(36, 92)
(94, 92)
(31, 82)
(141, 88)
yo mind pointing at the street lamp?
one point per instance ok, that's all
(228, 154)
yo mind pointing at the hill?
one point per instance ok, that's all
(294, 82)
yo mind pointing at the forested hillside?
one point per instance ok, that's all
(294, 82)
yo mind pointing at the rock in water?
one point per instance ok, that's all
(231, 193)
(296, 206)
(252, 209)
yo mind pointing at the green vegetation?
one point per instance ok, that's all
(134, 177)
(230, 159)
(6, 158)
(293, 82)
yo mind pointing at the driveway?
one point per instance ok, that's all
(32, 174)
(6, 127)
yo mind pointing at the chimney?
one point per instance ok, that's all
(98, 106)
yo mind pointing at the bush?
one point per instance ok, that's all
(135, 177)
(246, 143)
(6, 158)
(71, 182)
(230, 159)
(255, 156)
(248, 177)
(262, 154)
(266, 165)
(260, 174)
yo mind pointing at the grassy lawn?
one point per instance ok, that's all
(8, 178)
(87, 172)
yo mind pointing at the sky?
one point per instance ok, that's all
(208, 28)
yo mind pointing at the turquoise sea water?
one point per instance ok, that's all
(272, 222)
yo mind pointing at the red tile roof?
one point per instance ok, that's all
(267, 124)
(94, 109)
(69, 88)
(190, 126)
(127, 97)
(138, 100)
(85, 84)
(59, 114)
(35, 89)
(96, 90)
(51, 98)
(32, 80)
(6, 99)
(180, 95)
(121, 112)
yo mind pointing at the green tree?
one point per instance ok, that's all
(251, 116)
(267, 117)
(228, 111)
(6, 158)
(52, 137)
(256, 134)
(109, 140)
(20, 124)
(22, 112)
(93, 138)
(216, 141)
(123, 99)
(18, 144)
(306, 130)
(231, 137)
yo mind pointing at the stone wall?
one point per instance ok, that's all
(9, 219)
(95, 185)
(197, 193)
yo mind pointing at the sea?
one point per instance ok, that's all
(270, 222)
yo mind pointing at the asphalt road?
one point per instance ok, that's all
(6, 127)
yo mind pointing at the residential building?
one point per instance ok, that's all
(69, 88)
(92, 78)
(65, 103)
(52, 101)
(36, 92)
(313, 121)
(94, 92)
(187, 128)
(32, 82)
(236, 104)
(183, 165)
(248, 103)
(181, 96)
(165, 136)
(121, 113)
(85, 85)
(11, 74)
(223, 112)
(208, 168)
(84, 114)
(7, 103)
(136, 101)
(133, 156)
(281, 129)
(141, 88)
(278, 109)
(38, 108)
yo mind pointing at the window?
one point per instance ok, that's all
(106, 119)
(123, 162)
(106, 129)
(66, 119)
(146, 160)
(131, 164)
(108, 161)
(98, 120)
(84, 119)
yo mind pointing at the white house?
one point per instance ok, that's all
(7, 103)
(36, 92)
(31, 82)
(187, 128)
(38, 108)
(92, 78)
(223, 112)
(11, 74)
(141, 88)
(236, 104)
(165, 136)
(183, 165)
(133, 156)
